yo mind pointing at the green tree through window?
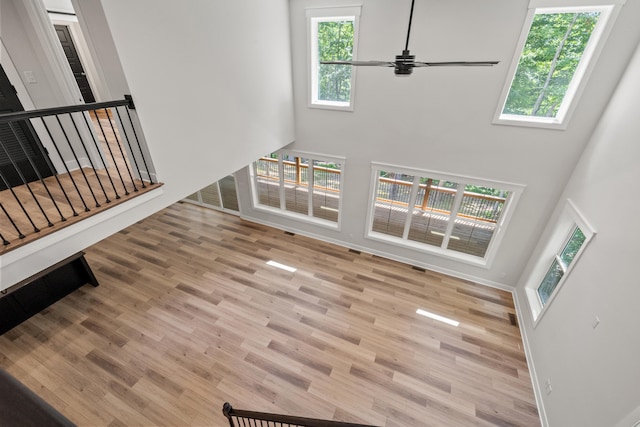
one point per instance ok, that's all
(335, 42)
(549, 59)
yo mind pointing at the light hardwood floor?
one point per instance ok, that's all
(188, 315)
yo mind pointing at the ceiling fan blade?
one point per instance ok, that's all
(456, 64)
(361, 63)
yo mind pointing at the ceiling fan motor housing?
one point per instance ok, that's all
(404, 63)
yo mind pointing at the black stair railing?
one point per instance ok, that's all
(242, 418)
(100, 158)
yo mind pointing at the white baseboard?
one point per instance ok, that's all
(537, 389)
(384, 254)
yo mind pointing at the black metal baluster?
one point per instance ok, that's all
(53, 188)
(55, 175)
(77, 161)
(95, 143)
(135, 134)
(106, 141)
(5, 242)
(15, 196)
(24, 181)
(124, 158)
(89, 158)
(73, 181)
(35, 169)
(135, 162)
(20, 235)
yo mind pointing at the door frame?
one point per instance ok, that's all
(60, 71)
(82, 48)
(41, 22)
(27, 103)
(62, 76)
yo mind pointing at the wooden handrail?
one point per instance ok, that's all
(266, 419)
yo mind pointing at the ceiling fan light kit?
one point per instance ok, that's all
(405, 63)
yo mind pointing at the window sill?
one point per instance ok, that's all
(298, 217)
(328, 105)
(537, 309)
(532, 122)
(425, 248)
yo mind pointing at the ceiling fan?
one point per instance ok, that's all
(405, 63)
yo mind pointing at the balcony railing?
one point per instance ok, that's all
(297, 172)
(437, 199)
(432, 198)
(95, 159)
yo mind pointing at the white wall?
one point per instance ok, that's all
(211, 81)
(64, 6)
(110, 80)
(212, 86)
(441, 119)
(27, 55)
(595, 372)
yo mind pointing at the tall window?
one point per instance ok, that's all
(305, 186)
(565, 245)
(553, 63)
(452, 215)
(332, 35)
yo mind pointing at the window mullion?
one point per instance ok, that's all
(281, 189)
(411, 206)
(219, 194)
(457, 201)
(310, 184)
(561, 263)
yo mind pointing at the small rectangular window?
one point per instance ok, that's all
(333, 36)
(552, 64)
(305, 186)
(560, 264)
(566, 243)
(458, 216)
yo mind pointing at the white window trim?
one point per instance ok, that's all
(515, 191)
(309, 218)
(569, 219)
(609, 12)
(334, 13)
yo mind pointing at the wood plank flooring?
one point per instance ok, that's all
(189, 315)
(83, 192)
